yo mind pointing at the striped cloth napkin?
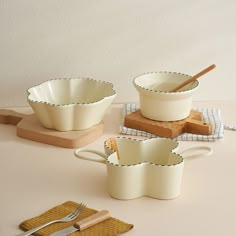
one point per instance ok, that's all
(210, 115)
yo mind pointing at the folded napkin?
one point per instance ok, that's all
(109, 227)
(210, 115)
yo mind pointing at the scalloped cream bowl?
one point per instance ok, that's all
(71, 104)
(157, 103)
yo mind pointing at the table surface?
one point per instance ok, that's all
(35, 177)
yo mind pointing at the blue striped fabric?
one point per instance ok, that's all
(210, 115)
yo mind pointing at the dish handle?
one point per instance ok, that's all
(80, 154)
(195, 152)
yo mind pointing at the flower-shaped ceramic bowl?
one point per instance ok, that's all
(137, 168)
(71, 104)
(157, 103)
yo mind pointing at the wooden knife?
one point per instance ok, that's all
(84, 223)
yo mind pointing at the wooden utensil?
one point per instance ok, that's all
(84, 223)
(194, 78)
(112, 144)
(193, 124)
(28, 127)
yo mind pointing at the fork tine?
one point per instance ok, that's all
(78, 210)
(73, 215)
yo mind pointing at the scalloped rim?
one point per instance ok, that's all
(164, 92)
(150, 163)
(61, 105)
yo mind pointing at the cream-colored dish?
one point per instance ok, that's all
(157, 103)
(149, 167)
(71, 104)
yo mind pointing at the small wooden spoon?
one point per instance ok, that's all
(112, 144)
(193, 78)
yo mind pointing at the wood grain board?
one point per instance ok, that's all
(28, 127)
(193, 124)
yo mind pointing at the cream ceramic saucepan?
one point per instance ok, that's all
(156, 100)
(138, 168)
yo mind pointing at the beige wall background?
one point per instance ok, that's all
(116, 40)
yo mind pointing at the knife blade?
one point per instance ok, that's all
(84, 223)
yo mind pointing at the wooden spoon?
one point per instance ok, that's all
(113, 144)
(193, 78)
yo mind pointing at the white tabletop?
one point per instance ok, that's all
(35, 177)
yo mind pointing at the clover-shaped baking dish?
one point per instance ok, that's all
(71, 104)
(137, 168)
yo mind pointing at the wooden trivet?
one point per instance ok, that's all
(193, 124)
(28, 127)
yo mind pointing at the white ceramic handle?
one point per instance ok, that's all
(195, 152)
(78, 153)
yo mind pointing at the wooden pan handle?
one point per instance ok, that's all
(197, 127)
(10, 117)
(92, 220)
